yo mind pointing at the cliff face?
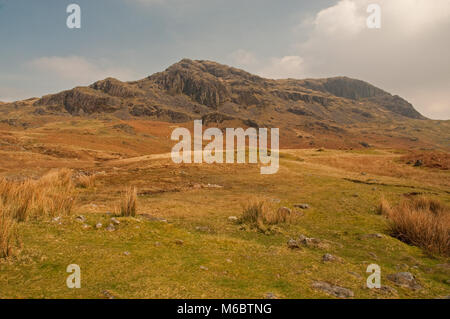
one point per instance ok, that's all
(81, 100)
(193, 89)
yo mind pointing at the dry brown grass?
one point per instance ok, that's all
(128, 205)
(421, 222)
(51, 195)
(384, 208)
(86, 181)
(8, 233)
(385, 165)
(261, 213)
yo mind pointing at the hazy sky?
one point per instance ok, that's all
(131, 39)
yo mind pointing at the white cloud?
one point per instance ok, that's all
(344, 19)
(79, 69)
(408, 56)
(243, 58)
(285, 67)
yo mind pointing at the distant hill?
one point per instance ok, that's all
(223, 95)
(192, 89)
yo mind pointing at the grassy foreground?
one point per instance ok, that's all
(182, 243)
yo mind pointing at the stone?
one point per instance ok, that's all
(270, 295)
(115, 221)
(369, 236)
(204, 229)
(388, 290)
(311, 242)
(339, 292)
(329, 258)
(203, 268)
(86, 226)
(418, 163)
(179, 242)
(110, 227)
(404, 279)
(302, 206)
(126, 253)
(99, 225)
(232, 218)
(293, 244)
(108, 294)
(80, 219)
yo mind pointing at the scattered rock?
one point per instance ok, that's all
(270, 295)
(57, 220)
(86, 226)
(204, 229)
(302, 206)
(115, 221)
(275, 200)
(80, 219)
(126, 253)
(388, 290)
(213, 186)
(232, 218)
(228, 260)
(157, 243)
(179, 242)
(368, 236)
(203, 268)
(330, 258)
(311, 242)
(293, 244)
(404, 279)
(339, 292)
(418, 163)
(108, 294)
(98, 225)
(110, 227)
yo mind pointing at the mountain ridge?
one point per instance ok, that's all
(208, 86)
(337, 112)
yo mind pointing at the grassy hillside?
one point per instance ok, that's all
(182, 243)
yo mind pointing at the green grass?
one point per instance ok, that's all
(260, 263)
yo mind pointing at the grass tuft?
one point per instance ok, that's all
(260, 213)
(86, 181)
(421, 222)
(7, 233)
(128, 205)
(51, 195)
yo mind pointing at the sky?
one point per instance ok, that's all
(131, 39)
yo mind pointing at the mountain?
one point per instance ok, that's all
(192, 89)
(221, 95)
